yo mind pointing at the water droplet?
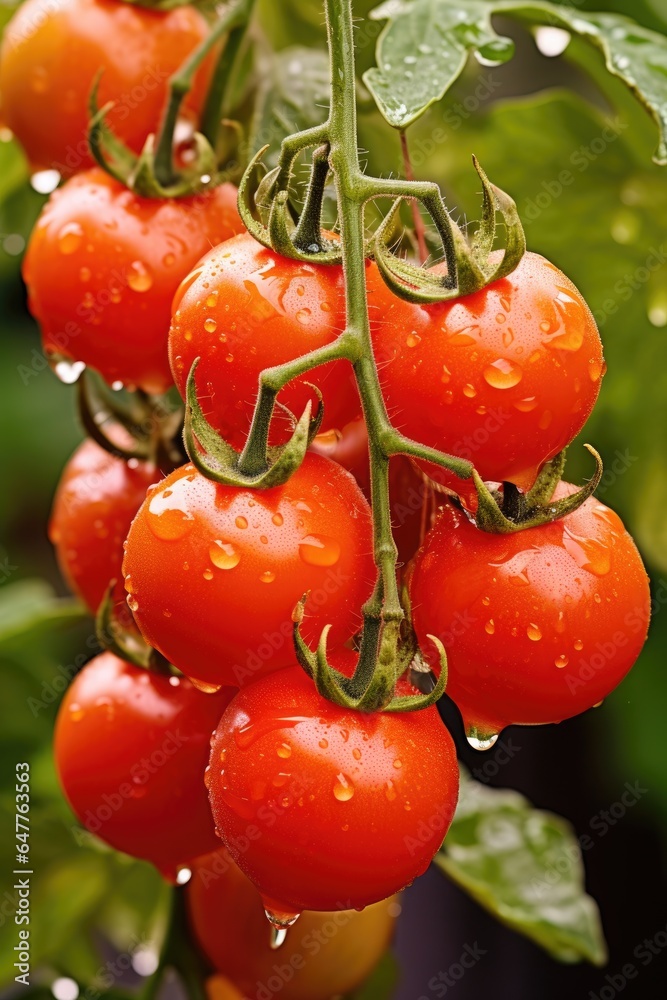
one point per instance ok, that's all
(588, 553)
(508, 336)
(486, 601)
(319, 550)
(356, 753)
(303, 316)
(267, 576)
(76, 713)
(446, 374)
(323, 743)
(68, 371)
(224, 555)
(210, 325)
(212, 300)
(490, 627)
(208, 574)
(139, 277)
(70, 238)
(278, 937)
(277, 519)
(241, 522)
(169, 259)
(206, 688)
(548, 326)
(470, 391)
(560, 624)
(503, 374)
(343, 788)
(413, 339)
(562, 660)
(390, 791)
(478, 743)
(534, 632)
(596, 370)
(464, 337)
(284, 751)
(398, 764)
(132, 603)
(169, 523)
(526, 405)
(578, 644)
(571, 340)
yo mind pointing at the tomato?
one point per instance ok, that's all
(505, 377)
(538, 625)
(131, 746)
(410, 494)
(324, 807)
(51, 55)
(102, 267)
(336, 951)
(213, 573)
(245, 308)
(97, 497)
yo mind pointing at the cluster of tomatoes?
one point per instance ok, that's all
(322, 807)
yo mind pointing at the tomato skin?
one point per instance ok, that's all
(102, 267)
(97, 497)
(245, 308)
(347, 808)
(228, 921)
(131, 747)
(505, 377)
(539, 625)
(51, 56)
(213, 573)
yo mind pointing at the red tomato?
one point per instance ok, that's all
(102, 267)
(505, 377)
(327, 954)
(244, 308)
(51, 55)
(324, 807)
(97, 497)
(213, 573)
(538, 625)
(412, 499)
(131, 747)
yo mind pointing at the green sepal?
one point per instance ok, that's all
(125, 643)
(217, 460)
(537, 507)
(412, 703)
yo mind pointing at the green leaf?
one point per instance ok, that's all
(295, 96)
(381, 983)
(524, 866)
(30, 604)
(425, 46)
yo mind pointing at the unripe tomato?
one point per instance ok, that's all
(52, 53)
(505, 377)
(538, 625)
(322, 806)
(213, 573)
(245, 308)
(324, 954)
(102, 267)
(97, 497)
(131, 746)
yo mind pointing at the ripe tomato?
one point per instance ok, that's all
(410, 495)
(50, 58)
(244, 308)
(213, 573)
(505, 377)
(324, 955)
(131, 747)
(102, 267)
(538, 625)
(97, 497)
(323, 807)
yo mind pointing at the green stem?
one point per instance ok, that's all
(178, 952)
(214, 107)
(351, 191)
(181, 82)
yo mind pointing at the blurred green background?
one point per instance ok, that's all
(606, 230)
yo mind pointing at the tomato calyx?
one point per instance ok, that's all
(258, 466)
(469, 267)
(508, 510)
(387, 650)
(118, 634)
(135, 426)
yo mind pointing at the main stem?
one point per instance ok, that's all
(344, 160)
